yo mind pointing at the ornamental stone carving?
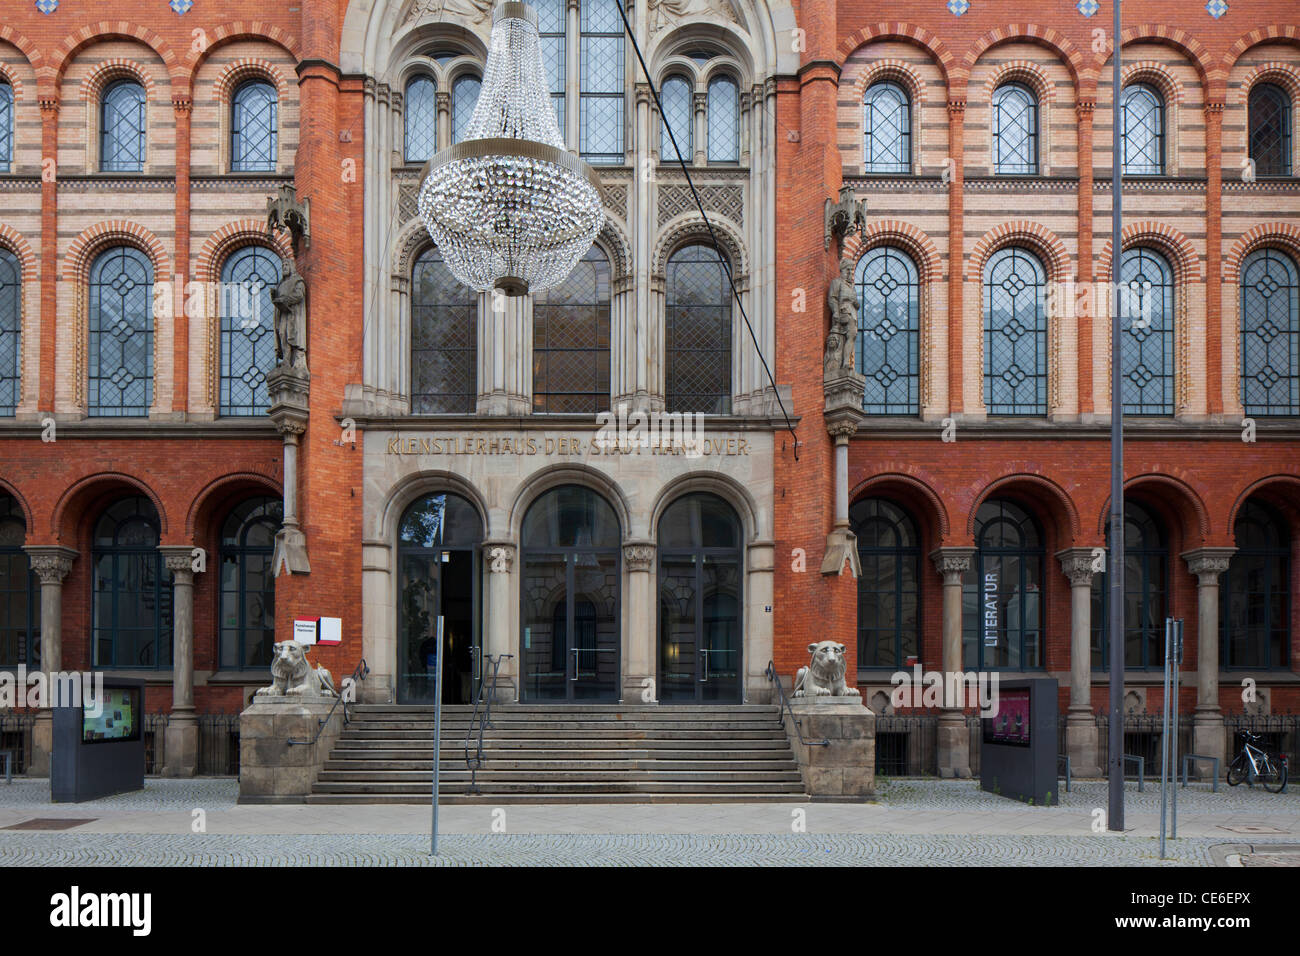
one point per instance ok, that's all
(665, 13)
(842, 341)
(51, 564)
(952, 563)
(824, 675)
(498, 557)
(1078, 565)
(1208, 563)
(639, 557)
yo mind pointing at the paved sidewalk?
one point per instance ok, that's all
(911, 822)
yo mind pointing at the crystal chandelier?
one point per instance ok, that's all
(509, 207)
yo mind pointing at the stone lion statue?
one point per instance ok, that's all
(824, 675)
(293, 676)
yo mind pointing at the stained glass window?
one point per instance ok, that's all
(1015, 334)
(120, 367)
(889, 332)
(1270, 130)
(697, 332)
(247, 329)
(253, 129)
(421, 106)
(1270, 334)
(571, 340)
(1144, 131)
(551, 30)
(1146, 300)
(444, 330)
(601, 83)
(11, 325)
(122, 128)
(6, 127)
(886, 129)
(675, 95)
(464, 96)
(1015, 130)
(724, 120)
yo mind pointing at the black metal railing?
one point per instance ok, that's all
(487, 693)
(218, 745)
(16, 735)
(155, 743)
(345, 696)
(786, 709)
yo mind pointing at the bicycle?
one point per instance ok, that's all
(1254, 763)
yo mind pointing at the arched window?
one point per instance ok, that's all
(724, 120)
(1143, 112)
(1015, 130)
(889, 590)
(1015, 334)
(247, 329)
(700, 635)
(1147, 314)
(11, 325)
(889, 332)
(248, 583)
(886, 129)
(1270, 334)
(253, 128)
(120, 367)
(444, 339)
(6, 127)
(421, 113)
(1002, 595)
(601, 83)
(1146, 586)
(697, 332)
(20, 592)
(122, 128)
(131, 608)
(570, 555)
(675, 95)
(1256, 606)
(1270, 130)
(464, 97)
(571, 340)
(551, 30)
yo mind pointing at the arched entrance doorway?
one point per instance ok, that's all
(569, 642)
(438, 576)
(700, 635)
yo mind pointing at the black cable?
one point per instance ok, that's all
(712, 235)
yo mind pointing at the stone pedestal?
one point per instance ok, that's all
(1081, 745)
(845, 769)
(953, 743)
(42, 745)
(271, 770)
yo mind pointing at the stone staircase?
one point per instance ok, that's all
(584, 753)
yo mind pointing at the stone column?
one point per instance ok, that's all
(505, 350)
(639, 652)
(442, 100)
(288, 388)
(842, 543)
(700, 101)
(954, 743)
(182, 739)
(499, 610)
(572, 75)
(51, 564)
(1080, 726)
(1207, 722)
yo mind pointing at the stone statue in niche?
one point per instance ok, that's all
(842, 341)
(289, 299)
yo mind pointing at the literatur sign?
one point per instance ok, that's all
(566, 445)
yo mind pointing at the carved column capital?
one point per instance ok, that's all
(639, 555)
(1078, 565)
(956, 108)
(179, 560)
(952, 563)
(498, 557)
(1208, 563)
(50, 562)
(841, 431)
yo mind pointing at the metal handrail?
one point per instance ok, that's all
(486, 694)
(359, 673)
(786, 709)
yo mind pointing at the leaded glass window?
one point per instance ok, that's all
(131, 598)
(6, 127)
(120, 354)
(464, 96)
(248, 583)
(11, 325)
(889, 332)
(550, 29)
(1015, 130)
(247, 329)
(421, 107)
(1146, 301)
(1256, 605)
(697, 332)
(889, 590)
(122, 128)
(1270, 130)
(444, 330)
(20, 592)
(675, 96)
(253, 128)
(571, 340)
(886, 129)
(724, 120)
(1270, 335)
(1144, 131)
(1015, 334)
(1002, 594)
(601, 83)
(1146, 586)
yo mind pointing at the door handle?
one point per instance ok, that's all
(705, 651)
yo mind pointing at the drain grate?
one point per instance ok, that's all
(50, 823)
